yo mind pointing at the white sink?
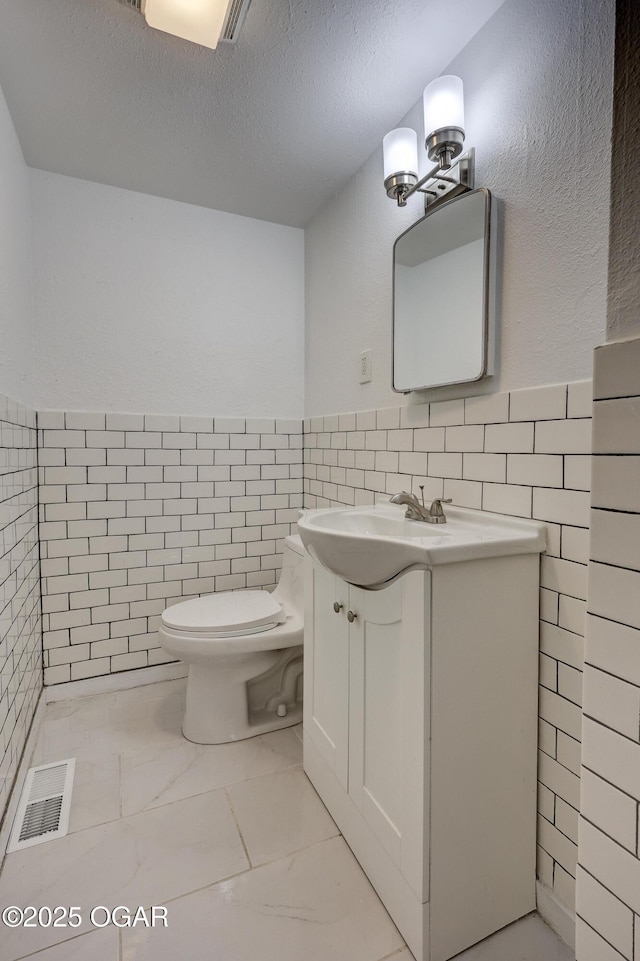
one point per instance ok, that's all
(371, 546)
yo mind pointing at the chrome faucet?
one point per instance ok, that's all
(418, 512)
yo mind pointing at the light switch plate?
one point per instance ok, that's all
(365, 369)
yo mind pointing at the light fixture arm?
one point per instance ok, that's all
(418, 187)
(435, 184)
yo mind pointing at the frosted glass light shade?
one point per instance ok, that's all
(199, 21)
(443, 104)
(400, 152)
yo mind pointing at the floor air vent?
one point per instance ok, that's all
(43, 811)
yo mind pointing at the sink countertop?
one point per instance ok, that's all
(371, 546)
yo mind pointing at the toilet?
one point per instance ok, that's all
(244, 651)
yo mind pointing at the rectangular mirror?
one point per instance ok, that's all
(443, 302)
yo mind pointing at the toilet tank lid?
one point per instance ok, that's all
(237, 612)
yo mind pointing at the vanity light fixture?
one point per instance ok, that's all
(444, 138)
(205, 22)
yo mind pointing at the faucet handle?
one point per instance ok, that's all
(436, 506)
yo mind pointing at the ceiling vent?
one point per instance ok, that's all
(233, 21)
(235, 18)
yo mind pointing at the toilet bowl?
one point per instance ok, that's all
(244, 651)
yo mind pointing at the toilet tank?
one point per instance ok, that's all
(289, 589)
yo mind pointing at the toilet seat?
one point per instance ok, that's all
(228, 614)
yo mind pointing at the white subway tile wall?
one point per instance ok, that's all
(138, 512)
(524, 453)
(608, 889)
(20, 631)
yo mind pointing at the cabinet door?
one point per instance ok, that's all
(388, 712)
(326, 667)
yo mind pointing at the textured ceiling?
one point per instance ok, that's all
(270, 127)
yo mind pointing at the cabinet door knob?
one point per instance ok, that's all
(337, 607)
(351, 616)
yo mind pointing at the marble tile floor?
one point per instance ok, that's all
(231, 839)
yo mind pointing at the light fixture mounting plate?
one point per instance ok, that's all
(459, 178)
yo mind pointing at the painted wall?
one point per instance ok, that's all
(16, 309)
(538, 111)
(149, 305)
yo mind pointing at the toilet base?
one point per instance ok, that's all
(239, 697)
(253, 730)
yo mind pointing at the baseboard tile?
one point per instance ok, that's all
(115, 682)
(556, 914)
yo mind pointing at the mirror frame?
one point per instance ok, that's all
(488, 294)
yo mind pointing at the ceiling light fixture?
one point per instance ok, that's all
(205, 22)
(444, 138)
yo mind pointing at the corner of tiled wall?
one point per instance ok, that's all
(20, 627)
(140, 511)
(524, 453)
(608, 888)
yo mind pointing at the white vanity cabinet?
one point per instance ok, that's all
(365, 694)
(420, 728)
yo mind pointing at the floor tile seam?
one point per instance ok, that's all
(75, 698)
(61, 840)
(245, 871)
(147, 906)
(238, 828)
(121, 811)
(258, 777)
(88, 827)
(395, 953)
(88, 750)
(80, 757)
(211, 790)
(296, 851)
(287, 854)
(54, 944)
(126, 817)
(71, 716)
(74, 720)
(105, 821)
(120, 791)
(88, 742)
(106, 711)
(156, 807)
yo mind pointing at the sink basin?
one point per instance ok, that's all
(371, 546)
